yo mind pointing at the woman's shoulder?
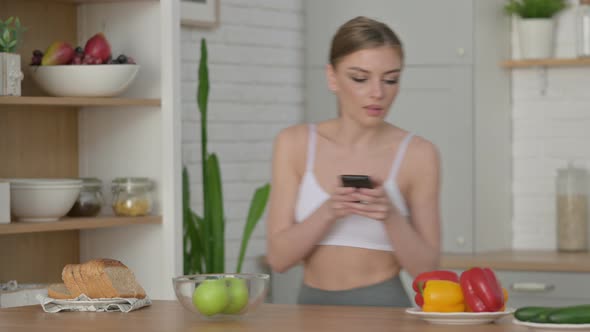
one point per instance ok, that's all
(423, 145)
(293, 135)
(418, 146)
(291, 145)
(421, 151)
(294, 131)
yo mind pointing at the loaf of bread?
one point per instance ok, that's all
(97, 278)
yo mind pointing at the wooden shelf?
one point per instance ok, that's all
(546, 63)
(77, 223)
(77, 101)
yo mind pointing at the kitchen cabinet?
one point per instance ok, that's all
(135, 134)
(535, 277)
(545, 288)
(541, 288)
(452, 92)
(433, 32)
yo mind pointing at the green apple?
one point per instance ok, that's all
(238, 295)
(211, 297)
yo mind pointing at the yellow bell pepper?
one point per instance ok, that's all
(443, 296)
(505, 298)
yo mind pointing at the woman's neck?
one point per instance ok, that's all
(350, 133)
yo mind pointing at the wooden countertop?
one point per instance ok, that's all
(534, 260)
(170, 316)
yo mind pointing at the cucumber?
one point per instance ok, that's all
(542, 317)
(527, 314)
(570, 315)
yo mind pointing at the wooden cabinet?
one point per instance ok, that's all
(452, 92)
(135, 134)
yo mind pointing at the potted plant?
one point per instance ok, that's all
(536, 26)
(10, 73)
(204, 236)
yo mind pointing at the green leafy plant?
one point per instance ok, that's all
(10, 34)
(534, 8)
(204, 236)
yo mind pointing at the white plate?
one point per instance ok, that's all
(93, 302)
(552, 327)
(459, 318)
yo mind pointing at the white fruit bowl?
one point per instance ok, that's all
(223, 296)
(84, 80)
(42, 200)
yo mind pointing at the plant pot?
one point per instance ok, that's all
(536, 38)
(10, 74)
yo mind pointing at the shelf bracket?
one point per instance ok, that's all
(543, 80)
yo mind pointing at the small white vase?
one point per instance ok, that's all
(10, 74)
(536, 38)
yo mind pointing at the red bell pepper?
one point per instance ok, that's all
(482, 290)
(420, 280)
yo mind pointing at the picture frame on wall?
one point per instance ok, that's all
(199, 13)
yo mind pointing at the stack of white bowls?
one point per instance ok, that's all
(42, 200)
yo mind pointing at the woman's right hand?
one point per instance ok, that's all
(338, 206)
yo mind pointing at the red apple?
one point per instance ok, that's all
(98, 46)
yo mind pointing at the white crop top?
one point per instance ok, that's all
(354, 230)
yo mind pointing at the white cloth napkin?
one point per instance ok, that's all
(84, 303)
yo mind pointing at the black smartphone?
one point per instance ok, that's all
(356, 181)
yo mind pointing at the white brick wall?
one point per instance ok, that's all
(256, 74)
(548, 131)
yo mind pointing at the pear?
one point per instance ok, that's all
(58, 53)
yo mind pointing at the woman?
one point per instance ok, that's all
(354, 242)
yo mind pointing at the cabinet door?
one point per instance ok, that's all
(432, 32)
(436, 103)
(531, 288)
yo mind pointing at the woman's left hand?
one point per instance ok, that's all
(374, 204)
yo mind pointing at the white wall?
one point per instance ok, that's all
(256, 73)
(548, 130)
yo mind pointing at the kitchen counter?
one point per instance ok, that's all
(534, 260)
(171, 316)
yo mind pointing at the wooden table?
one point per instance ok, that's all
(167, 316)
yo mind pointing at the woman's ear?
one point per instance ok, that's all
(331, 77)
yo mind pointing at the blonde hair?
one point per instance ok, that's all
(362, 33)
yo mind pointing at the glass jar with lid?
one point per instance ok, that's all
(132, 196)
(572, 211)
(90, 200)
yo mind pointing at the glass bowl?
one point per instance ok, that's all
(221, 296)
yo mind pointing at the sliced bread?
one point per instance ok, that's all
(92, 280)
(120, 279)
(97, 268)
(84, 287)
(67, 276)
(59, 291)
(99, 278)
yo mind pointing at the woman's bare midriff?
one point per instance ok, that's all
(341, 268)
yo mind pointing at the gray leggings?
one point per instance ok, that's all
(389, 293)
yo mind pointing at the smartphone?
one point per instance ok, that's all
(356, 181)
